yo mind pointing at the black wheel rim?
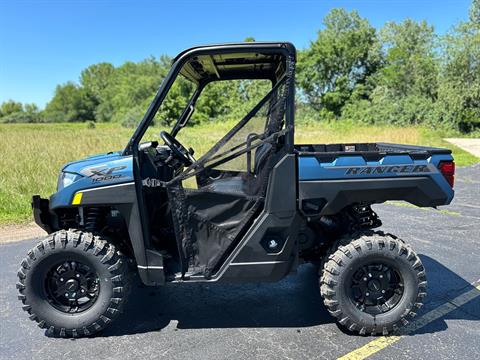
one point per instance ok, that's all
(376, 288)
(72, 287)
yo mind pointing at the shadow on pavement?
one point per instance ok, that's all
(292, 302)
(443, 286)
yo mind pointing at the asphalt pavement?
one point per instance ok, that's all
(284, 320)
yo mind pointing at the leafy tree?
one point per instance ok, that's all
(411, 63)
(132, 85)
(404, 89)
(459, 90)
(475, 13)
(69, 103)
(175, 102)
(344, 55)
(95, 80)
(31, 108)
(229, 99)
(9, 107)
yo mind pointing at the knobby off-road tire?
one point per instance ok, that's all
(101, 256)
(360, 249)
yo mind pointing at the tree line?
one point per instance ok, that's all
(403, 73)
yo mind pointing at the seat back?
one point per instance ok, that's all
(261, 156)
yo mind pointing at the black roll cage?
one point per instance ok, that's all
(143, 231)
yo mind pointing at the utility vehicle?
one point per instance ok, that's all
(251, 209)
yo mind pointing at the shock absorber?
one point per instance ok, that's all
(92, 219)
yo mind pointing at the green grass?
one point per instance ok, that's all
(31, 155)
(408, 205)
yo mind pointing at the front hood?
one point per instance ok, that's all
(96, 171)
(100, 170)
(78, 165)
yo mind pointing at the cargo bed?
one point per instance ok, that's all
(368, 150)
(331, 176)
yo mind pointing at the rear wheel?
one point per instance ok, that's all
(373, 283)
(73, 283)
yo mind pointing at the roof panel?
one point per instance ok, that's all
(232, 65)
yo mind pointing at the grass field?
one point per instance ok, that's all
(31, 155)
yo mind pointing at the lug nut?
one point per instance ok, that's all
(383, 291)
(381, 276)
(367, 294)
(364, 279)
(78, 275)
(61, 279)
(66, 294)
(369, 275)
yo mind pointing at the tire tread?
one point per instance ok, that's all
(362, 242)
(95, 246)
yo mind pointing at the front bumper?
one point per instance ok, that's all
(41, 213)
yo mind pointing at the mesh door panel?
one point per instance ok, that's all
(232, 180)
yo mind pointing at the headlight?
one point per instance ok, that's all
(66, 179)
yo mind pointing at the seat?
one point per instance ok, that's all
(237, 184)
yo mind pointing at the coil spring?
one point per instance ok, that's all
(92, 218)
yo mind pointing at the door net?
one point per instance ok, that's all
(231, 183)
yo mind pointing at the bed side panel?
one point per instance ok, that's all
(332, 185)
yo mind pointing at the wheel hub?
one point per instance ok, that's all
(376, 288)
(72, 286)
(374, 285)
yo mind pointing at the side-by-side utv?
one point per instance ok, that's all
(252, 208)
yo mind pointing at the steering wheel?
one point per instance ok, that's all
(178, 149)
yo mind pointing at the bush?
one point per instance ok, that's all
(385, 108)
(22, 117)
(132, 118)
(54, 116)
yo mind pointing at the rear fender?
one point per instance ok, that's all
(327, 187)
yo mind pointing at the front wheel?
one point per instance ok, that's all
(373, 283)
(73, 283)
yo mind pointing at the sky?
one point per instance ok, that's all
(48, 42)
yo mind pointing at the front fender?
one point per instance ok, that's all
(123, 198)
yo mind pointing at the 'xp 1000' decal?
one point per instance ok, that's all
(390, 169)
(102, 173)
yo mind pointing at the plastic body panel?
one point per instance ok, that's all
(250, 261)
(338, 179)
(96, 171)
(107, 180)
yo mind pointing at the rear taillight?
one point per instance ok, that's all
(447, 168)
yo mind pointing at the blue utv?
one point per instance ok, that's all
(251, 209)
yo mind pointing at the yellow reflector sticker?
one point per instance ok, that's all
(77, 199)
